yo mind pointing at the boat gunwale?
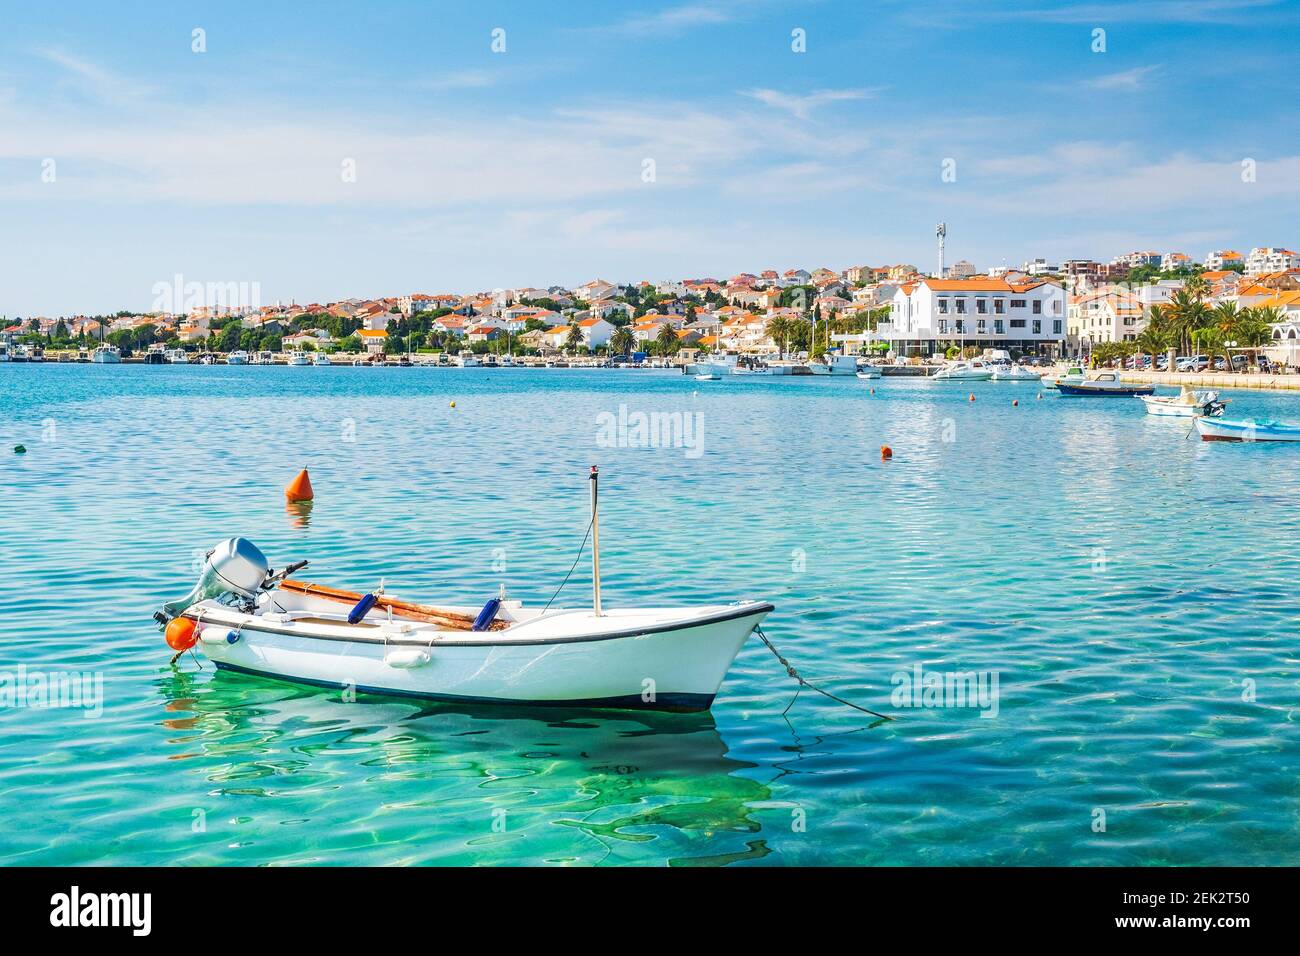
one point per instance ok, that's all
(748, 610)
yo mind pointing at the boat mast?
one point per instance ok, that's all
(595, 544)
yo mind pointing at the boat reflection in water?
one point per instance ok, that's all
(305, 777)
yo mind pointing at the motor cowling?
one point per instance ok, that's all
(235, 566)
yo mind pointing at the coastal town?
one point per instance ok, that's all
(1228, 310)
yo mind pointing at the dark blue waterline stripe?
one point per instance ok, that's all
(677, 703)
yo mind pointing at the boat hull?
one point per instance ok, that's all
(1088, 388)
(1245, 431)
(1163, 407)
(671, 666)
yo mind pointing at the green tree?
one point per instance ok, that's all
(621, 342)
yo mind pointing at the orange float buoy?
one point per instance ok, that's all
(972, 396)
(886, 453)
(181, 634)
(300, 488)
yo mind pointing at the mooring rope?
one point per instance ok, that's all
(581, 548)
(789, 669)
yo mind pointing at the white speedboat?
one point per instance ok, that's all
(708, 377)
(249, 620)
(264, 358)
(239, 357)
(868, 371)
(973, 371)
(298, 357)
(1014, 372)
(467, 359)
(834, 364)
(106, 355)
(177, 357)
(1073, 375)
(4, 351)
(1188, 403)
(320, 358)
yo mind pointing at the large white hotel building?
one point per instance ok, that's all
(929, 315)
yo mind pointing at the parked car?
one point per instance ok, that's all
(1193, 363)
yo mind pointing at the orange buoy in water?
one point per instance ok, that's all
(972, 396)
(300, 488)
(181, 634)
(886, 453)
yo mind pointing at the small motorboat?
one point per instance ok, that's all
(320, 358)
(833, 363)
(298, 357)
(250, 620)
(1188, 403)
(1246, 430)
(237, 357)
(106, 355)
(1073, 375)
(1015, 372)
(1106, 383)
(868, 371)
(972, 371)
(708, 377)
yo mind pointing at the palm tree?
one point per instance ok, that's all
(667, 340)
(1154, 339)
(778, 330)
(573, 341)
(621, 342)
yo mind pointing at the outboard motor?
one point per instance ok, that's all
(235, 566)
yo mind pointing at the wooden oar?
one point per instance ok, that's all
(444, 617)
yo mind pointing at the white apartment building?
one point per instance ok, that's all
(929, 315)
(1222, 259)
(1268, 259)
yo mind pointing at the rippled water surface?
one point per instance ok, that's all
(1133, 591)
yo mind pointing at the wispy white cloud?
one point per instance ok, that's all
(101, 83)
(459, 80)
(802, 106)
(673, 20)
(1123, 81)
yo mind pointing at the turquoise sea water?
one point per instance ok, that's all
(1132, 589)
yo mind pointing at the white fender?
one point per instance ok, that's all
(406, 658)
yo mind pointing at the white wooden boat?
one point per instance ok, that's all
(249, 620)
(106, 355)
(177, 357)
(1246, 430)
(238, 357)
(973, 371)
(708, 377)
(320, 358)
(298, 357)
(1188, 403)
(868, 371)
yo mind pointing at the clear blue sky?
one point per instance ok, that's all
(477, 169)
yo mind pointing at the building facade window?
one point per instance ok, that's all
(1056, 327)
(1038, 307)
(1038, 327)
(997, 327)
